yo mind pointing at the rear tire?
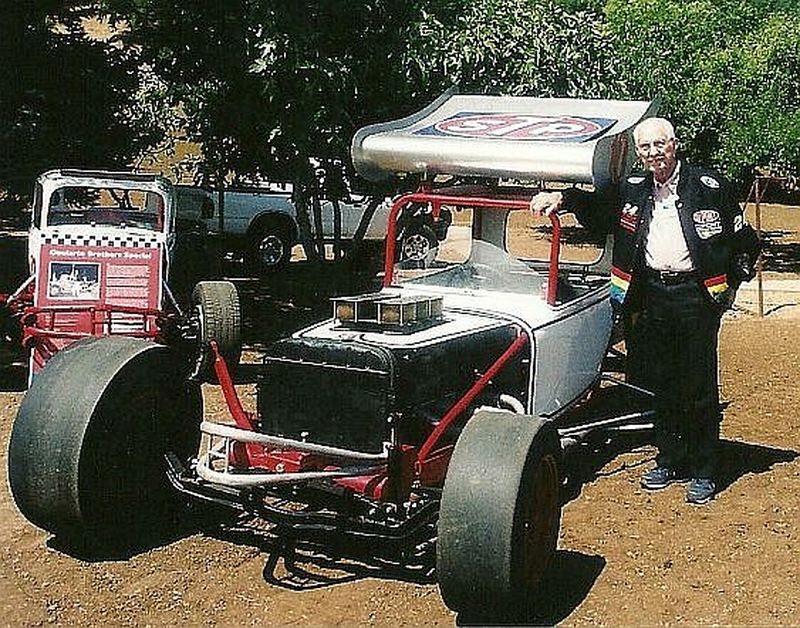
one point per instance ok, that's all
(218, 313)
(86, 455)
(500, 513)
(269, 248)
(418, 243)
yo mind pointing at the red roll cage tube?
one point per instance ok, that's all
(469, 197)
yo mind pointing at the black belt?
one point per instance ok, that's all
(670, 277)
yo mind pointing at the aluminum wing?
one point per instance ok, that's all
(548, 139)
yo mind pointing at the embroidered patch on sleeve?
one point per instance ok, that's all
(717, 287)
(628, 217)
(707, 223)
(620, 282)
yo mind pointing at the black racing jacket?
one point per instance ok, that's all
(722, 246)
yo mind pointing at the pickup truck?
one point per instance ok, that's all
(261, 223)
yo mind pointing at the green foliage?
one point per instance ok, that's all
(275, 88)
(728, 71)
(521, 47)
(582, 5)
(266, 85)
(65, 96)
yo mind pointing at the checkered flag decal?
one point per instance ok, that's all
(118, 241)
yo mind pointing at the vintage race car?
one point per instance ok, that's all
(102, 254)
(426, 420)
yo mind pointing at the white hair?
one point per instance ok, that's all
(655, 124)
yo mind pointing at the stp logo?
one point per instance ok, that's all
(515, 126)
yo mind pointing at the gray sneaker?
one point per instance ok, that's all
(701, 491)
(661, 477)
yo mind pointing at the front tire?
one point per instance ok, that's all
(218, 316)
(500, 513)
(86, 455)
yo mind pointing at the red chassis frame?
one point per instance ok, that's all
(43, 327)
(406, 463)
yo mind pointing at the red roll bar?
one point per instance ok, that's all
(491, 199)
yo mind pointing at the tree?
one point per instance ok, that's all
(65, 97)
(265, 85)
(275, 89)
(728, 71)
(544, 48)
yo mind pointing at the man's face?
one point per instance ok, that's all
(656, 149)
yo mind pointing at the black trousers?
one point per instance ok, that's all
(673, 351)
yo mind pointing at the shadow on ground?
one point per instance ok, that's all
(737, 458)
(565, 585)
(122, 547)
(301, 565)
(295, 567)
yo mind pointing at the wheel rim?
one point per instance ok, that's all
(270, 250)
(416, 247)
(538, 532)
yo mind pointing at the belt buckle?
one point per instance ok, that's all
(668, 277)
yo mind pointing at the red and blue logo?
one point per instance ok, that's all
(519, 126)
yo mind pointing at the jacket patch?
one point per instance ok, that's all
(738, 222)
(707, 223)
(620, 282)
(709, 182)
(628, 217)
(635, 180)
(718, 287)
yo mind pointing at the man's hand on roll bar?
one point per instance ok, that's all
(545, 203)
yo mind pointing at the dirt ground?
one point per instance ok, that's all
(625, 556)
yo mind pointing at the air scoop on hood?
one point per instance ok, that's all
(388, 311)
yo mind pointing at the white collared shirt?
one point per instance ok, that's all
(665, 248)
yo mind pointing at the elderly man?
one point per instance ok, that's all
(681, 248)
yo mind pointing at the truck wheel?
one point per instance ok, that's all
(417, 243)
(86, 455)
(500, 513)
(218, 316)
(269, 248)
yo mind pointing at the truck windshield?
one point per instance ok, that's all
(119, 207)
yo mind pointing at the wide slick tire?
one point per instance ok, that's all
(218, 311)
(500, 514)
(86, 455)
